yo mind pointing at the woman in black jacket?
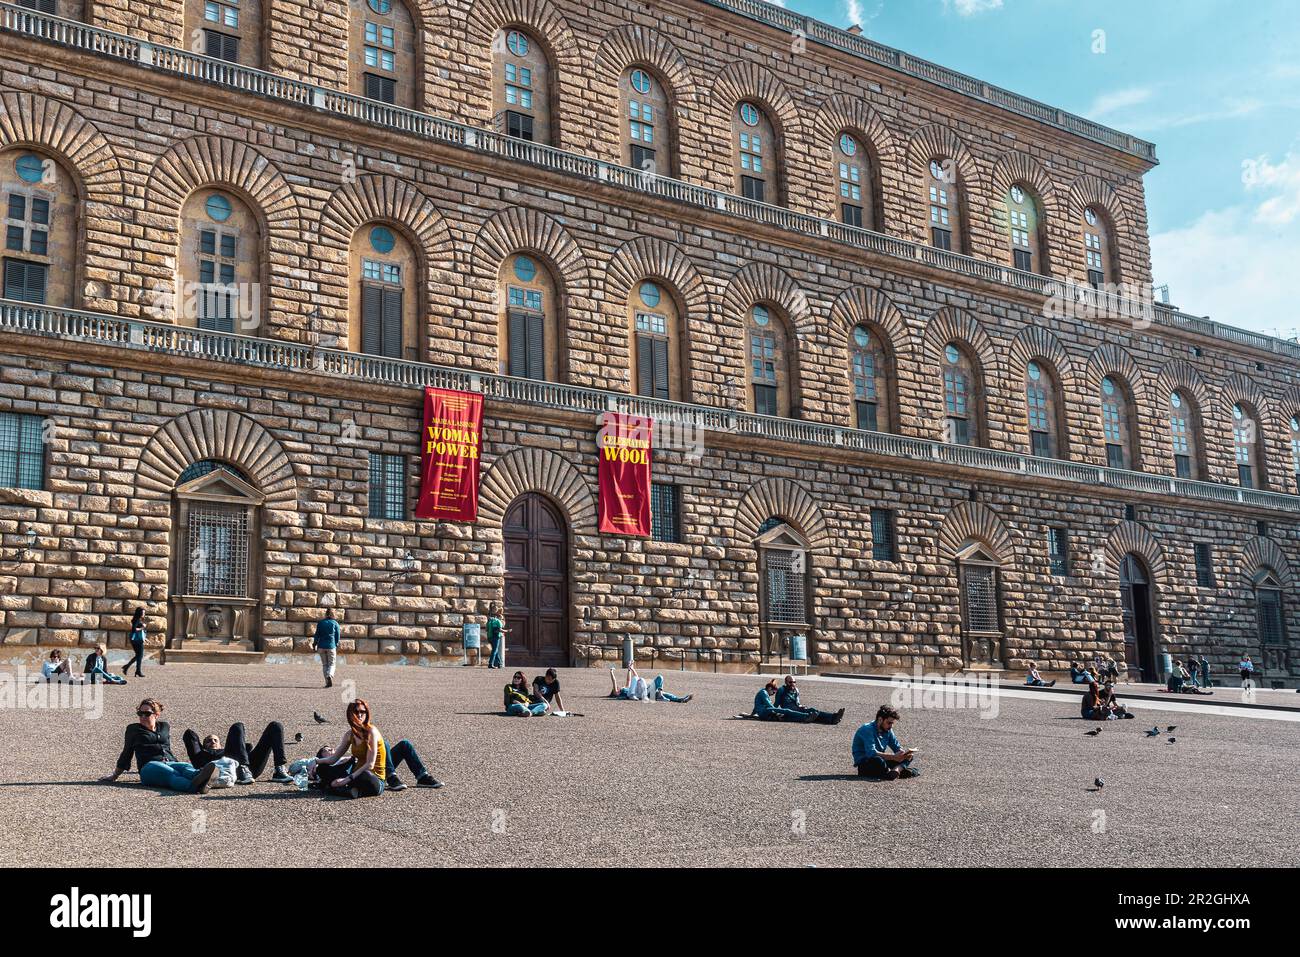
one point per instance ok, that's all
(149, 742)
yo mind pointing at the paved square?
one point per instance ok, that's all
(655, 784)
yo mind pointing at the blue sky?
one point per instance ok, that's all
(1214, 84)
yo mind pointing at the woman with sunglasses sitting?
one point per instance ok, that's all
(362, 765)
(149, 742)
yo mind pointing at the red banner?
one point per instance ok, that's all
(449, 455)
(623, 444)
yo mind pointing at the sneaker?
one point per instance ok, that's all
(243, 775)
(281, 775)
(202, 782)
(428, 781)
(839, 716)
(890, 775)
(394, 783)
(909, 773)
(1052, 683)
(686, 698)
(329, 682)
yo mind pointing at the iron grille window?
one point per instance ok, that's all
(1204, 553)
(1271, 629)
(387, 486)
(980, 598)
(665, 512)
(218, 550)
(884, 546)
(787, 601)
(1058, 550)
(22, 451)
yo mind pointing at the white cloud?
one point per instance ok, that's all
(1108, 103)
(970, 8)
(853, 11)
(1283, 180)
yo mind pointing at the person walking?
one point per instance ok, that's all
(1205, 673)
(496, 637)
(136, 637)
(326, 642)
(1247, 672)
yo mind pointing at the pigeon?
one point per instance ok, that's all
(1094, 733)
(1153, 733)
(319, 719)
(298, 738)
(1098, 783)
(1171, 729)
(1172, 740)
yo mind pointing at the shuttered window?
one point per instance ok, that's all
(41, 6)
(527, 346)
(222, 46)
(652, 355)
(24, 281)
(381, 88)
(381, 320)
(1204, 553)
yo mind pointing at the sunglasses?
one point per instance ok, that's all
(143, 714)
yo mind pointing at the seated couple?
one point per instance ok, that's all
(1100, 704)
(148, 742)
(877, 753)
(544, 696)
(638, 689)
(59, 668)
(362, 765)
(783, 704)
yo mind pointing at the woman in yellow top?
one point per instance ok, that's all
(363, 764)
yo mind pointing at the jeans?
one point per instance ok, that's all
(366, 784)
(172, 775)
(99, 672)
(270, 744)
(521, 710)
(138, 660)
(498, 659)
(327, 658)
(877, 767)
(1036, 682)
(783, 714)
(1081, 679)
(404, 751)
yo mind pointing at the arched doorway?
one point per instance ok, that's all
(216, 566)
(536, 540)
(1139, 617)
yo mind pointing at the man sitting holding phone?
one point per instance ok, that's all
(877, 753)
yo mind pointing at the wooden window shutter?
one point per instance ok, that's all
(661, 368)
(391, 335)
(644, 365)
(536, 347)
(371, 319)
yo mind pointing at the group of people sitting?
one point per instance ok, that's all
(782, 703)
(57, 667)
(361, 765)
(1101, 704)
(542, 698)
(1183, 678)
(1102, 671)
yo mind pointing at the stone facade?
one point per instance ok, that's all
(141, 145)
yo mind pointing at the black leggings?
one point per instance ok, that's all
(138, 660)
(270, 744)
(366, 784)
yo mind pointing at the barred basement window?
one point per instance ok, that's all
(1204, 553)
(979, 589)
(22, 451)
(218, 550)
(884, 546)
(665, 512)
(1268, 602)
(387, 486)
(1058, 550)
(786, 587)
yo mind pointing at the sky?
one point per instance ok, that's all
(1214, 84)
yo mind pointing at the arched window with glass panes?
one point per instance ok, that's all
(220, 263)
(943, 204)
(1185, 435)
(649, 133)
(963, 417)
(656, 335)
(870, 374)
(1247, 445)
(1118, 423)
(769, 361)
(521, 88)
(41, 210)
(1097, 246)
(757, 160)
(383, 318)
(384, 41)
(1024, 229)
(1295, 452)
(1043, 410)
(529, 329)
(852, 176)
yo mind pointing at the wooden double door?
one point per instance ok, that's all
(536, 541)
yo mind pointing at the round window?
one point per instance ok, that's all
(641, 81)
(525, 269)
(1017, 195)
(1176, 401)
(861, 337)
(517, 42)
(218, 207)
(1090, 215)
(1035, 373)
(30, 168)
(848, 145)
(1236, 412)
(1295, 424)
(1108, 385)
(952, 354)
(380, 6)
(938, 172)
(382, 239)
(650, 294)
(749, 113)
(761, 315)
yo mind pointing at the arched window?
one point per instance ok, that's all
(1247, 446)
(1043, 410)
(979, 577)
(383, 64)
(649, 132)
(228, 30)
(220, 263)
(1295, 450)
(521, 86)
(943, 199)
(1271, 619)
(770, 365)
(1097, 247)
(853, 181)
(961, 397)
(1118, 424)
(40, 229)
(529, 329)
(1185, 434)
(383, 313)
(656, 341)
(1024, 225)
(757, 161)
(870, 372)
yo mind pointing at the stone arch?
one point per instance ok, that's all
(1015, 167)
(1239, 388)
(57, 128)
(1263, 552)
(1181, 374)
(787, 500)
(1035, 342)
(744, 80)
(225, 436)
(863, 305)
(843, 112)
(383, 197)
(974, 521)
(951, 323)
(935, 140)
(647, 256)
(537, 470)
(1089, 190)
(1111, 359)
(1129, 536)
(516, 228)
(633, 43)
(215, 161)
(485, 18)
(761, 282)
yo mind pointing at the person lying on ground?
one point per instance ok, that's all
(638, 689)
(520, 702)
(97, 667)
(250, 763)
(149, 742)
(786, 699)
(876, 751)
(1036, 679)
(362, 765)
(56, 667)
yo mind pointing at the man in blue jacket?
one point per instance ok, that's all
(876, 751)
(787, 697)
(326, 641)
